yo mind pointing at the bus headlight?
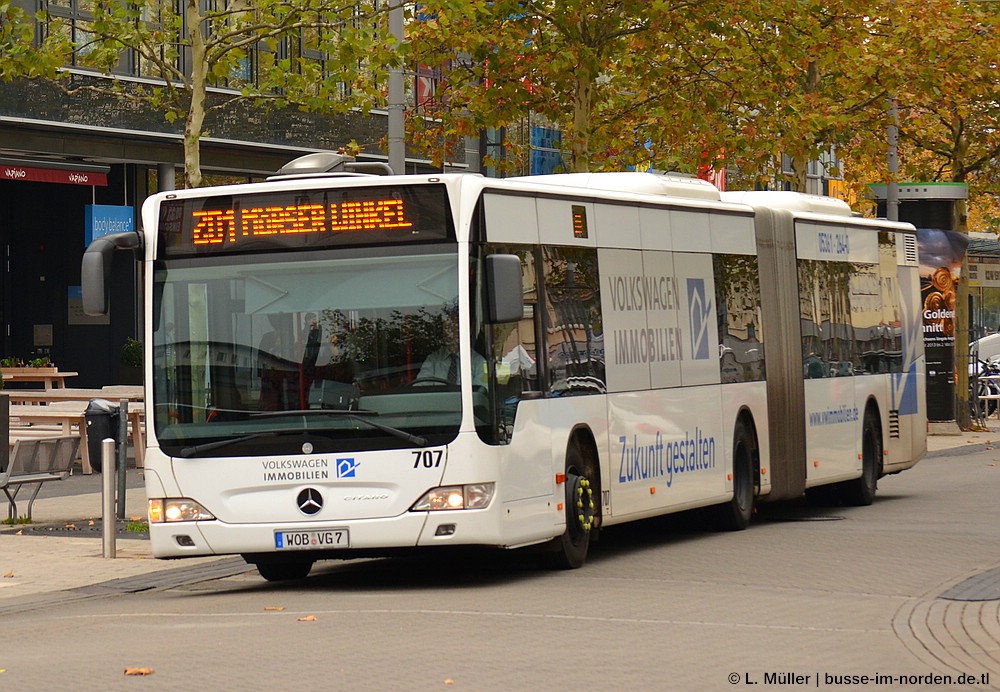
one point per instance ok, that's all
(471, 496)
(170, 509)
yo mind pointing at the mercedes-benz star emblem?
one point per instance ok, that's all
(310, 501)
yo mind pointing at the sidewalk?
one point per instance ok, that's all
(62, 549)
(939, 443)
(956, 442)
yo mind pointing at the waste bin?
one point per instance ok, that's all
(101, 419)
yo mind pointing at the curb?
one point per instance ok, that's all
(79, 528)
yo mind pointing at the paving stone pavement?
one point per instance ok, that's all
(953, 627)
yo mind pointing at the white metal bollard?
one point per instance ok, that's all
(109, 528)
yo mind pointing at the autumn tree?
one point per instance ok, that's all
(792, 79)
(675, 82)
(20, 56)
(945, 80)
(570, 62)
(327, 56)
(949, 104)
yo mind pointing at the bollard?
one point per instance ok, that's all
(4, 430)
(108, 530)
(120, 466)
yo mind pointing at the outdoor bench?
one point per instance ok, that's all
(34, 461)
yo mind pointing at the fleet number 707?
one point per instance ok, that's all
(428, 458)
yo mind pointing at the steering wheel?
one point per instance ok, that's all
(430, 380)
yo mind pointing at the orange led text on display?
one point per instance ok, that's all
(216, 226)
(579, 221)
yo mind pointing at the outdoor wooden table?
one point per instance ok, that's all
(69, 415)
(50, 378)
(51, 396)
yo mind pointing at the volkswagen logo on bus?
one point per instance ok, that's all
(310, 501)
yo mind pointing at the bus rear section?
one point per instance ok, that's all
(849, 389)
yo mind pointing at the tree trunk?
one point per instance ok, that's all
(195, 120)
(583, 103)
(799, 170)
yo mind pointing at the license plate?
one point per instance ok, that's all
(312, 539)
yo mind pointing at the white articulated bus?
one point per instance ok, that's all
(628, 345)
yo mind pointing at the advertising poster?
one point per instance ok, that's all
(941, 255)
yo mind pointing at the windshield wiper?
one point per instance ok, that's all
(359, 415)
(402, 434)
(209, 446)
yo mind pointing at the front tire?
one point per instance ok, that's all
(581, 499)
(284, 570)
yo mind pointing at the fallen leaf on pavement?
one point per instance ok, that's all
(138, 671)
(9, 575)
(20, 533)
(90, 523)
(449, 681)
(308, 618)
(70, 525)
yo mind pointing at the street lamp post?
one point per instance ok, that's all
(397, 103)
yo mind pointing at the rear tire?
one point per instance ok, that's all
(860, 492)
(284, 570)
(735, 515)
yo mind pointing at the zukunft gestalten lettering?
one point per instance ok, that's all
(664, 459)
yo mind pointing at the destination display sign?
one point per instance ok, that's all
(298, 219)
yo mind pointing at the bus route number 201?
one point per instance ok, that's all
(427, 458)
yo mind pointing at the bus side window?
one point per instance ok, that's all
(574, 333)
(512, 349)
(516, 370)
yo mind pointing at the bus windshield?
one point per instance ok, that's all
(318, 351)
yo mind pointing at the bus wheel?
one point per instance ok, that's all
(735, 514)
(571, 548)
(860, 492)
(284, 570)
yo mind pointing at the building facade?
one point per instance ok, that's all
(75, 165)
